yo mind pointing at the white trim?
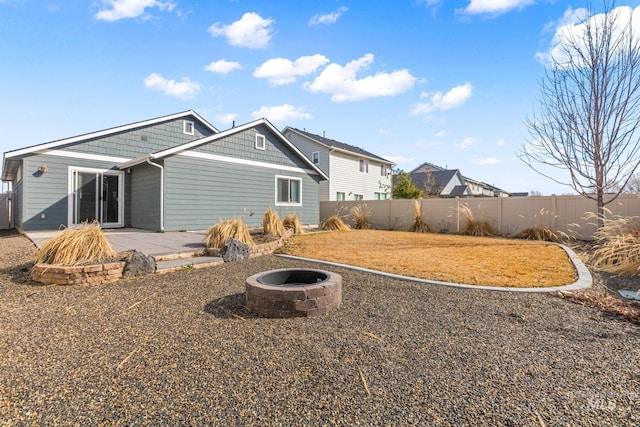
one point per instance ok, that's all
(246, 162)
(85, 156)
(264, 142)
(315, 154)
(106, 132)
(121, 195)
(290, 178)
(185, 124)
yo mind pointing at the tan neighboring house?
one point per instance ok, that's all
(354, 173)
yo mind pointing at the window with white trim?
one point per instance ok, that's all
(364, 166)
(315, 157)
(188, 127)
(261, 142)
(383, 170)
(358, 197)
(379, 196)
(288, 191)
(340, 196)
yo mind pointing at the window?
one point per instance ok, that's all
(340, 196)
(383, 170)
(187, 127)
(380, 196)
(288, 191)
(260, 142)
(315, 157)
(364, 166)
(358, 197)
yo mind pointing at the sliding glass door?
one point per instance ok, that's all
(96, 196)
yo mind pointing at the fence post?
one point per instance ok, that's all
(554, 206)
(500, 231)
(457, 214)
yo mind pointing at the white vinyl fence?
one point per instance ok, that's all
(507, 215)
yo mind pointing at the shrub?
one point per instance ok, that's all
(218, 234)
(617, 247)
(85, 244)
(418, 225)
(474, 227)
(292, 223)
(334, 223)
(361, 214)
(271, 223)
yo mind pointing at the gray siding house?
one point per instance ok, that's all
(175, 172)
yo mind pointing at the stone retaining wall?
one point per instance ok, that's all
(76, 275)
(269, 248)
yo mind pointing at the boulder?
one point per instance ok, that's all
(139, 264)
(235, 250)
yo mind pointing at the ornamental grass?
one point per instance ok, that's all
(361, 214)
(473, 226)
(334, 223)
(272, 224)
(542, 233)
(292, 222)
(617, 247)
(218, 234)
(85, 244)
(418, 226)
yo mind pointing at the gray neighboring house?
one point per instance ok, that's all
(354, 173)
(436, 181)
(175, 172)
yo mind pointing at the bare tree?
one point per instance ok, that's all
(590, 107)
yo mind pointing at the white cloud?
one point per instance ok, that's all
(502, 142)
(113, 10)
(572, 27)
(252, 31)
(494, 7)
(441, 134)
(329, 18)
(466, 143)
(281, 113)
(280, 71)
(400, 160)
(487, 161)
(225, 118)
(384, 131)
(223, 66)
(428, 143)
(456, 97)
(343, 85)
(186, 89)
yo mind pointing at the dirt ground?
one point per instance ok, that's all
(449, 258)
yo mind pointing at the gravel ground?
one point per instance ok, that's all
(180, 349)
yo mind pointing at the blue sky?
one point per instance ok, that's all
(446, 82)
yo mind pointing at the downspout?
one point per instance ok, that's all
(161, 192)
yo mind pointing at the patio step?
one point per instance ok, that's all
(176, 255)
(185, 263)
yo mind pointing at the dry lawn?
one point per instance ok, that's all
(450, 258)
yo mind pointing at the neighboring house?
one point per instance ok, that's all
(175, 172)
(436, 181)
(354, 174)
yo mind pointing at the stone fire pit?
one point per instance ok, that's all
(293, 293)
